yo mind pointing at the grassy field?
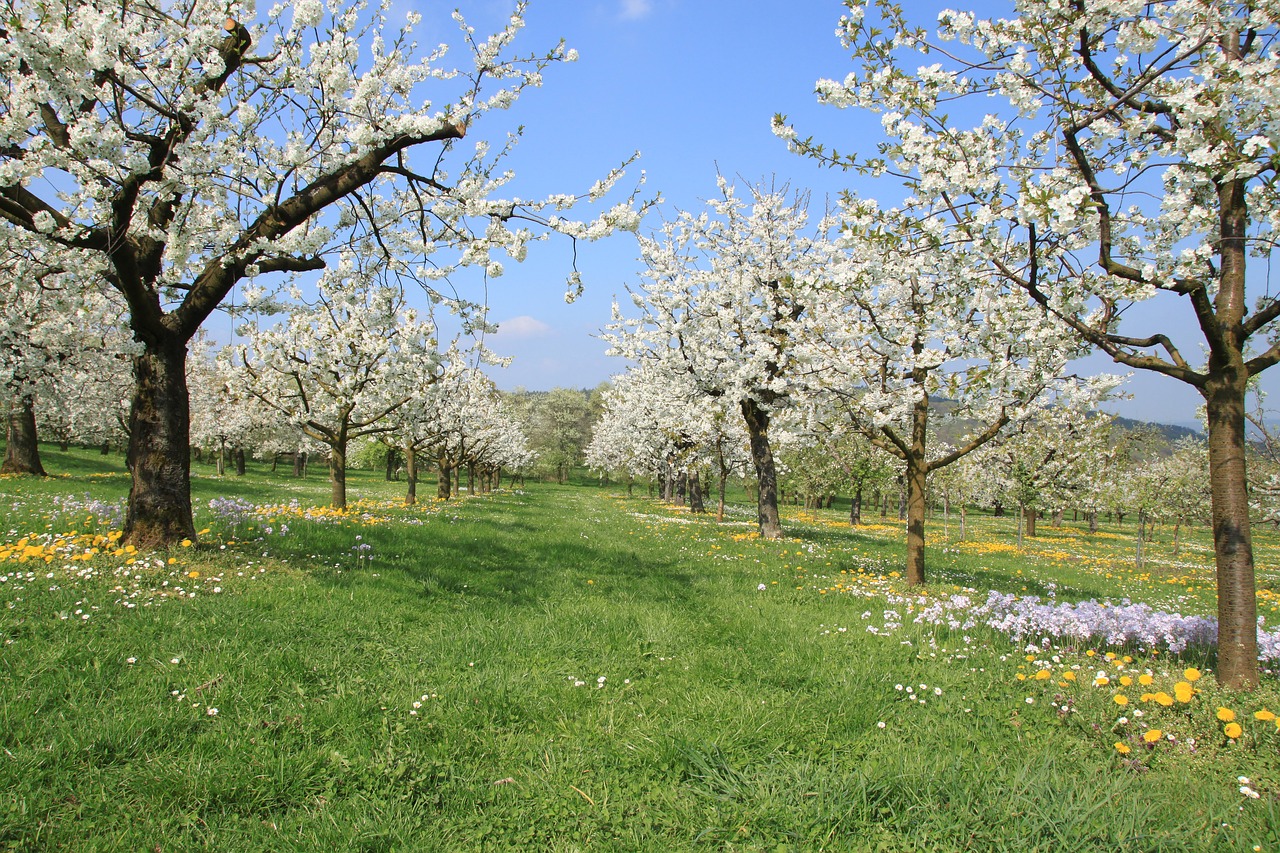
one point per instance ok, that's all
(565, 668)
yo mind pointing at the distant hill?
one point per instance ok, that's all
(1171, 432)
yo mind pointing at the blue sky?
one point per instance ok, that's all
(692, 85)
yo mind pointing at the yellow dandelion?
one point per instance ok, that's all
(1191, 674)
(1232, 730)
(1122, 748)
(193, 574)
(1120, 699)
(1226, 714)
(1068, 676)
(1184, 691)
(1126, 681)
(1163, 698)
(1043, 675)
(186, 543)
(1145, 679)
(1152, 735)
(1101, 681)
(1264, 715)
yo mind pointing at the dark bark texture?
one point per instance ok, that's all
(22, 451)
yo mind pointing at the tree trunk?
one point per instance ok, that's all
(695, 493)
(240, 463)
(471, 478)
(757, 422)
(106, 448)
(1137, 554)
(220, 460)
(1177, 528)
(964, 516)
(1029, 515)
(917, 471)
(1093, 521)
(338, 474)
(682, 486)
(391, 464)
(1058, 515)
(411, 475)
(159, 457)
(22, 452)
(298, 463)
(855, 507)
(724, 479)
(1232, 538)
(445, 487)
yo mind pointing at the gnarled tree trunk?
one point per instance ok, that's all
(22, 452)
(411, 474)
(1232, 537)
(338, 474)
(159, 457)
(444, 488)
(917, 471)
(757, 422)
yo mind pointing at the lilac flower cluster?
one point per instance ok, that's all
(363, 551)
(1123, 624)
(233, 511)
(110, 514)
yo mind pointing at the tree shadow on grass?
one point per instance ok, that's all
(1021, 585)
(495, 568)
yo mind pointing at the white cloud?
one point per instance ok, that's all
(522, 328)
(634, 10)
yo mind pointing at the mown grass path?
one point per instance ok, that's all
(563, 669)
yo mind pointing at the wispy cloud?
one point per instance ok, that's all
(634, 10)
(522, 328)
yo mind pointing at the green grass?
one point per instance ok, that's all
(729, 718)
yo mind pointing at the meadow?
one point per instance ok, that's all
(569, 668)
